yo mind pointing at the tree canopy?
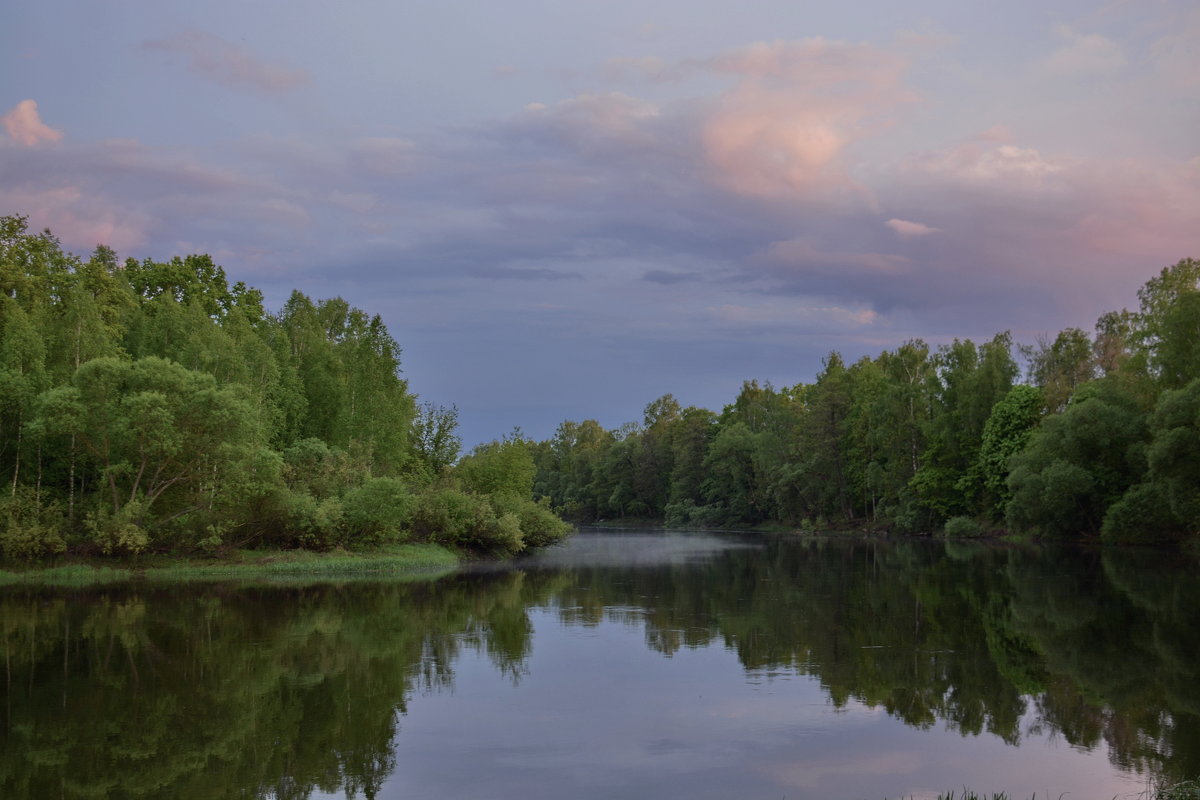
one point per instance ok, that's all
(1101, 433)
(154, 406)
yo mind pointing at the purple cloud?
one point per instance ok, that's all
(228, 64)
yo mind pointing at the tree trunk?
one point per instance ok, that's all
(17, 462)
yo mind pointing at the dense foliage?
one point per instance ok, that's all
(153, 406)
(1102, 439)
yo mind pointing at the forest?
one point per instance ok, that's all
(153, 407)
(1096, 438)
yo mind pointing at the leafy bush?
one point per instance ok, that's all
(377, 512)
(679, 515)
(452, 517)
(1142, 516)
(538, 524)
(30, 529)
(120, 531)
(962, 528)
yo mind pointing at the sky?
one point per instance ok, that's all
(564, 210)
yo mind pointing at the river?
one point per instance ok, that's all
(633, 664)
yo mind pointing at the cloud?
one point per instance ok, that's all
(908, 229)
(25, 126)
(978, 161)
(228, 64)
(594, 121)
(782, 129)
(802, 255)
(137, 197)
(1086, 54)
(666, 277)
(794, 315)
(79, 219)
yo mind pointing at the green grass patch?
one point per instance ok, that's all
(396, 560)
(1184, 790)
(65, 575)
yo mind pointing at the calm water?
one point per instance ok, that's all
(630, 665)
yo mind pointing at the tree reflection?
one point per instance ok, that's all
(223, 691)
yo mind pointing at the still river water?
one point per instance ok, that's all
(621, 665)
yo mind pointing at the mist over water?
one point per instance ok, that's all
(621, 664)
(620, 548)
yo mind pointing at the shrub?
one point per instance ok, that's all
(30, 529)
(120, 531)
(962, 528)
(377, 512)
(452, 517)
(538, 524)
(1142, 516)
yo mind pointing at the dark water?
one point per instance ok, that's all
(633, 665)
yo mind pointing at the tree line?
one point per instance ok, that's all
(153, 406)
(1100, 438)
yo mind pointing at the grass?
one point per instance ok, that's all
(1184, 790)
(395, 560)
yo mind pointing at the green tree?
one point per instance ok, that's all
(499, 467)
(1058, 368)
(1076, 464)
(434, 437)
(170, 444)
(1005, 433)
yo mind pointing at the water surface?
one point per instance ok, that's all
(637, 664)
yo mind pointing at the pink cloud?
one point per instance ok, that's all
(1138, 209)
(25, 125)
(982, 160)
(909, 229)
(228, 64)
(81, 221)
(796, 106)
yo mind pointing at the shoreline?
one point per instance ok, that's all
(405, 560)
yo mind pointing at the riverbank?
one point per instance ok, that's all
(396, 560)
(1184, 790)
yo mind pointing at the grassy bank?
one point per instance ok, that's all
(397, 560)
(1185, 790)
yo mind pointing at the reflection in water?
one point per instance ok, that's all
(222, 691)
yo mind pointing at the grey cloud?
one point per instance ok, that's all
(662, 276)
(228, 64)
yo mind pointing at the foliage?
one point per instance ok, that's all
(1183, 790)
(1077, 464)
(461, 519)
(152, 406)
(1102, 439)
(962, 528)
(499, 467)
(29, 528)
(1006, 432)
